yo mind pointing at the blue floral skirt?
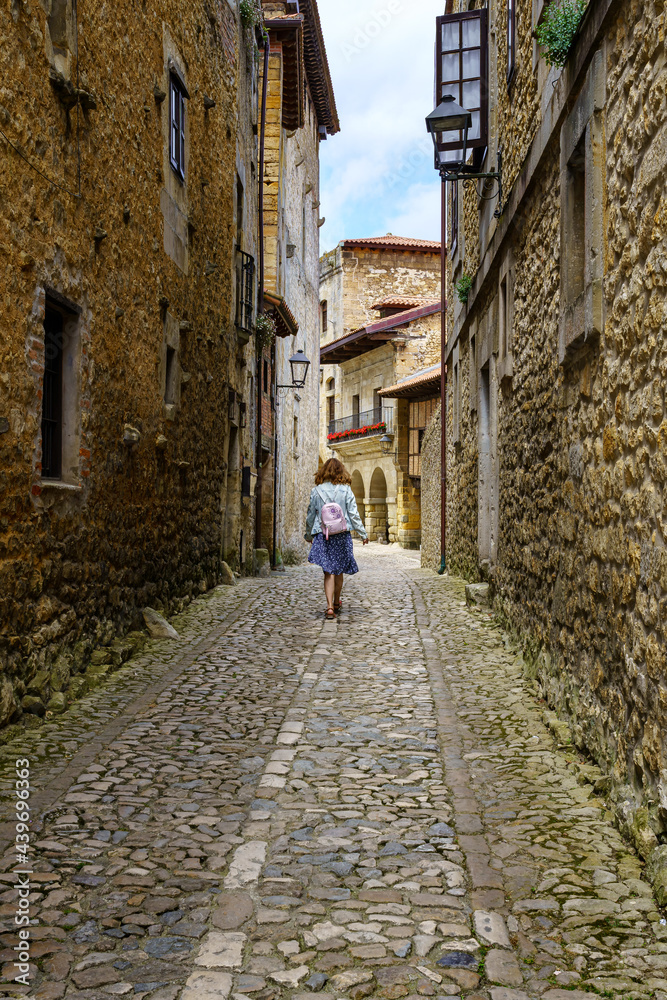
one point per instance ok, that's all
(335, 555)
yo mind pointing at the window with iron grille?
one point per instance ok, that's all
(52, 395)
(462, 72)
(177, 126)
(245, 290)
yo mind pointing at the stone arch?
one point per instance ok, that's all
(331, 384)
(376, 507)
(359, 493)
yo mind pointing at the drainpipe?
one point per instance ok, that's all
(443, 383)
(274, 553)
(260, 304)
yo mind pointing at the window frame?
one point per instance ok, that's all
(177, 99)
(325, 315)
(52, 396)
(481, 15)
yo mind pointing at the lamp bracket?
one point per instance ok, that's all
(462, 173)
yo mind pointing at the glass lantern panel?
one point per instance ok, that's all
(451, 157)
(450, 136)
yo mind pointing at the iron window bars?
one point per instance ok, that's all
(245, 289)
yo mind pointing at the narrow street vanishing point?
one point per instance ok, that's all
(278, 806)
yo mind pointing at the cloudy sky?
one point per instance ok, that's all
(377, 173)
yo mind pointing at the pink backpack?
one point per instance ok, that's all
(333, 518)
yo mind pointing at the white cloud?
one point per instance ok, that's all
(418, 214)
(380, 167)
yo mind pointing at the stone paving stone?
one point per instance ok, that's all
(365, 808)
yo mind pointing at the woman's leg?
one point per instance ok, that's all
(338, 587)
(329, 590)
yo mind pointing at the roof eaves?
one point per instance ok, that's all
(317, 69)
(402, 318)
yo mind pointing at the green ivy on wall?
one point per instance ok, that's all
(557, 31)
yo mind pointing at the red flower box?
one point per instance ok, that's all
(358, 432)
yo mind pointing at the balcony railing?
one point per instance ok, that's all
(367, 424)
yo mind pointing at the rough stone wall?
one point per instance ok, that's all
(298, 457)
(430, 495)
(580, 570)
(462, 485)
(372, 275)
(133, 524)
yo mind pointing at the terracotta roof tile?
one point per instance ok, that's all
(388, 241)
(317, 68)
(424, 378)
(405, 302)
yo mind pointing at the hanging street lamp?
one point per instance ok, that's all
(299, 364)
(449, 123)
(387, 444)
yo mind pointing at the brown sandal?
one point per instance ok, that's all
(330, 615)
(338, 608)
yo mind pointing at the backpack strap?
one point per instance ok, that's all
(323, 501)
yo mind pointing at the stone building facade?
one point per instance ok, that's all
(301, 112)
(380, 309)
(131, 400)
(556, 383)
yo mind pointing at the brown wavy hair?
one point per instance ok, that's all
(334, 472)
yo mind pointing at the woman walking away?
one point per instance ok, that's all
(332, 514)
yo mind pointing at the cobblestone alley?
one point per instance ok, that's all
(278, 806)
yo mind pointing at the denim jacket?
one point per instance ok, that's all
(328, 493)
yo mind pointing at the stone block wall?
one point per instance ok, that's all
(430, 495)
(145, 281)
(579, 434)
(298, 411)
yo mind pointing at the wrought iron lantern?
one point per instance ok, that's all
(450, 122)
(299, 364)
(387, 444)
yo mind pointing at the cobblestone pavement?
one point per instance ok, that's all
(278, 806)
